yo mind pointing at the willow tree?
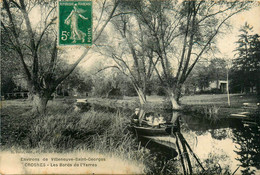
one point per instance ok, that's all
(37, 50)
(129, 48)
(182, 33)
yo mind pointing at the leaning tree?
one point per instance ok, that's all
(181, 33)
(168, 38)
(130, 47)
(34, 46)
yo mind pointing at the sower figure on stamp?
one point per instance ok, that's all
(72, 20)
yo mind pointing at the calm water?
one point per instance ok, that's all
(232, 144)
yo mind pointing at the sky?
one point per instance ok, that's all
(225, 43)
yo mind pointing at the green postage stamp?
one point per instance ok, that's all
(75, 23)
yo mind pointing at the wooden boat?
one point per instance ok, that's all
(251, 105)
(152, 131)
(162, 145)
(167, 141)
(240, 115)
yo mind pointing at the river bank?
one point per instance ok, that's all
(197, 104)
(64, 130)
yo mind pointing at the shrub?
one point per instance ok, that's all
(161, 91)
(92, 130)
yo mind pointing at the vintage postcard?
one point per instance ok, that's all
(130, 87)
(75, 28)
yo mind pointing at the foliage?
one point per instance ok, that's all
(213, 166)
(245, 70)
(108, 84)
(170, 39)
(78, 81)
(63, 129)
(128, 89)
(9, 65)
(200, 77)
(7, 85)
(204, 73)
(35, 46)
(217, 69)
(247, 137)
(185, 33)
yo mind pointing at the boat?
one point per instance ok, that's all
(167, 141)
(152, 131)
(251, 105)
(162, 145)
(240, 115)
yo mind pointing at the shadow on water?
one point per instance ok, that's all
(162, 133)
(202, 145)
(247, 136)
(196, 144)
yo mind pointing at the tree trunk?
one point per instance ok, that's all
(107, 94)
(39, 103)
(141, 116)
(141, 96)
(174, 99)
(175, 116)
(174, 102)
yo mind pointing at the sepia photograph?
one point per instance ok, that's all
(159, 87)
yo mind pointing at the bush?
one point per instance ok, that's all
(161, 91)
(103, 132)
(212, 91)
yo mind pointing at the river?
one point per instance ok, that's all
(200, 144)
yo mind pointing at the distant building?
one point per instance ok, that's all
(218, 84)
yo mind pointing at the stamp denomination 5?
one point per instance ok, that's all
(75, 23)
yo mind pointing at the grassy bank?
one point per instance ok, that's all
(62, 130)
(208, 105)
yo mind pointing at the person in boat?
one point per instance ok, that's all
(149, 120)
(154, 121)
(162, 120)
(135, 116)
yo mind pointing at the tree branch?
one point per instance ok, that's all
(211, 38)
(108, 19)
(218, 12)
(107, 67)
(32, 40)
(184, 46)
(123, 13)
(190, 43)
(101, 14)
(43, 32)
(16, 4)
(53, 56)
(17, 45)
(65, 75)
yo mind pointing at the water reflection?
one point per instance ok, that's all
(247, 136)
(202, 146)
(153, 124)
(188, 144)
